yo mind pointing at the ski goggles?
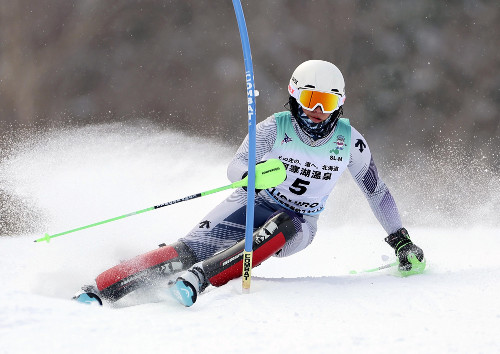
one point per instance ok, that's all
(328, 102)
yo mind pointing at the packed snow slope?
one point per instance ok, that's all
(65, 178)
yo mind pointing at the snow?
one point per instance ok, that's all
(307, 302)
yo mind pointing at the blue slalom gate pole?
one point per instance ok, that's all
(247, 56)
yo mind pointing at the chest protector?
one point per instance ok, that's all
(312, 172)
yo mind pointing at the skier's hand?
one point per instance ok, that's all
(246, 174)
(411, 257)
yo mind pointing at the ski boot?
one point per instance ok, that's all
(186, 288)
(88, 295)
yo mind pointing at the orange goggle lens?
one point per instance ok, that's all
(328, 102)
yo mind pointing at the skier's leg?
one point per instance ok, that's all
(221, 228)
(224, 226)
(228, 264)
(146, 269)
(267, 240)
(307, 227)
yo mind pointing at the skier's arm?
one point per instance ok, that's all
(265, 136)
(364, 172)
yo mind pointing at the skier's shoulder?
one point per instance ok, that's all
(355, 134)
(275, 120)
(360, 150)
(281, 116)
(267, 130)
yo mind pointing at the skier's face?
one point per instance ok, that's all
(316, 116)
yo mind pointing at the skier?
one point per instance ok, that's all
(316, 146)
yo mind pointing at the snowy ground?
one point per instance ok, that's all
(308, 302)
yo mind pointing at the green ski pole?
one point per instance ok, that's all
(267, 175)
(385, 266)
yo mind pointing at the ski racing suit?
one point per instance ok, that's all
(286, 216)
(313, 169)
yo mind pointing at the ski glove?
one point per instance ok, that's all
(410, 256)
(246, 174)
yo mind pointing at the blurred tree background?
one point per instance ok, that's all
(416, 72)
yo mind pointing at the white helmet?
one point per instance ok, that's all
(320, 76)
(316, 83)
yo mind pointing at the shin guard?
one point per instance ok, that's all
(267, 240)
(146, 269)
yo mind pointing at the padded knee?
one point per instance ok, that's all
(267, 240)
